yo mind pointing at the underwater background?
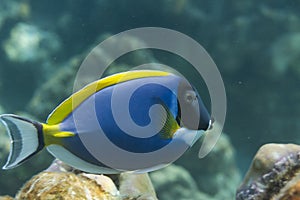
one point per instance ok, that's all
(255, 44)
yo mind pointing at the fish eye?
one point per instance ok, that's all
(190, 96)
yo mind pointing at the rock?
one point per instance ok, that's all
(290, 192)
(216, 174)
(6, 198)
(59, 185)
(137, 186)
(12, 180)
(75, 184)
(59, 166)
(104, 181)
(273, 174)
(175, 182)
(68, 185)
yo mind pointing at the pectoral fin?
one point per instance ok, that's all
(170, 125)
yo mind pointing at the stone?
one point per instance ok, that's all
(175, 182)
(273, 174)
(6, 197)
(216, 174)
(59, 185)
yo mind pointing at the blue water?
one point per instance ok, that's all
(253, 44)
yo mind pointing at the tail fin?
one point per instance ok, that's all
(26, 139)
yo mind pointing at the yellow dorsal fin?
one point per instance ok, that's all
(67, 106)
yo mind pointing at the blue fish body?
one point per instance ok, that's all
(138, 112)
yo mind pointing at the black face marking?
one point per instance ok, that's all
(192, 113)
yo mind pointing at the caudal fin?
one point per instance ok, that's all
(26, 139)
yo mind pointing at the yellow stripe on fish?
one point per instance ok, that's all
(133, 121)
(66, 107)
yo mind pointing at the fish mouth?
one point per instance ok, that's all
(210, 123)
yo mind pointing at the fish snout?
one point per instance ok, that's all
(211, 123)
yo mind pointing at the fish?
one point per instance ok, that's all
(138, 111)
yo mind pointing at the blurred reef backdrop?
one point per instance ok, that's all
(255, 44)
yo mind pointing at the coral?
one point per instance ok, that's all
(137, 186)
(13, 179)
(61, 181)
(273, 174)
(59, 185)
(175, 182)
(209, 173)
(59, 166)
(67, 185)
(6, 198)
(291, 191)
(200, 178)
(29, 43)
(13, 9)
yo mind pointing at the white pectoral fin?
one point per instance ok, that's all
(190, 137)
(211, 137)
(198, 134)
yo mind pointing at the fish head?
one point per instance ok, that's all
(192, 113)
